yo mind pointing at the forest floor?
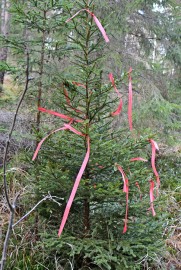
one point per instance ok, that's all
(20, 138)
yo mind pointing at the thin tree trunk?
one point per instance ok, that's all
(38, 117)
(40, 85)
(86, 205)
(5, 16)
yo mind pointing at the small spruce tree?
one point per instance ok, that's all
(93, 235)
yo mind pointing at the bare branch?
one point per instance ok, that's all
(142, 36)
(11, 131)
(48, 197)
(8, 233)
(13, 205)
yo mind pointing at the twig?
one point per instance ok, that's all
(27, 214)
(142, 36)
(10, 134)
(48, 197)
(8, 233)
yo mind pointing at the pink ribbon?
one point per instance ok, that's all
(68, 101)
(75, 187)
(66, 96)
(130, 100)
(63, 116)
(79, 84)
(138, 186)
(139, 159)
(84, 164)
(119, 109)
(68, 126)
(152, 197)
(99, 25)
(42, 141)
(82, 169)
(126, 190)
(155, 147)
(111, 78)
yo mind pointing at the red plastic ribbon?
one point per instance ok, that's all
(155, 147)
(119, 109)
(68, 126)
(67, 96)
(126, 190)
(138, 159)
(79, 84)
(81, 171)
(152, 197)
(75, 187)
(138, 186)
(69, 102)
(63, 116)
(111, 78)
(46, 137)
(99, 166)
(99, 25)
(130, 100)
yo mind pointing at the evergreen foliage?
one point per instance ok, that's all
(68, 66)
(95, 225)
(145, 35)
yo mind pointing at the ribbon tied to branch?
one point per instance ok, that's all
(99, 25)
(83, 166)
(155, 148)
(126, 190)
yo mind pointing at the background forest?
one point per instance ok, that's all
(55, 73)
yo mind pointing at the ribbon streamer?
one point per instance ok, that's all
(126, 190)
(75, 187)
(42, 141)
(138, 186)
(82, 169)
(111, 78)
(119, 109)
(99, 25)
(155, 147)
(68, 100)
(79, 84)
(130, 100)
(68, 126)
(63, 116)
(152, 197)
(139, 159)
(66, 96)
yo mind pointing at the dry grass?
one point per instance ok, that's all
(10, 91)
(174, 242)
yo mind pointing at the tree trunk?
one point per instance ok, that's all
(41, 70)
(5, 15)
